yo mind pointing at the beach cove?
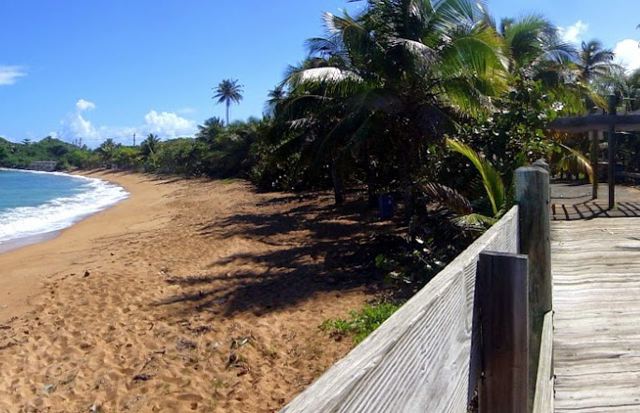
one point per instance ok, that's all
(189, 295)
(35, 205)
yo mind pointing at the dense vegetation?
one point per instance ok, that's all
(21, 155)
(433, 102)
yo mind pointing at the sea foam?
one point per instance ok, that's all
(59, 213)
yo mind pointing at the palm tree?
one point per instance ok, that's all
(625, 86)
(228, 92)
(394, 78)
(149, 146)
(275, 97)
(594, 61)
(533, 46)
(149, 149)
(107, 151)
(536, 53)
(210, 130)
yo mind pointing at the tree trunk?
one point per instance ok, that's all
(228, 104)
(338, 182)
(372, 199)
(406, 168)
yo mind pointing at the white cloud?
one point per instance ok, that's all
(628, 54)
(574, 33)
(83, 105)
(10, 74)
(168, 124)
(76, 125)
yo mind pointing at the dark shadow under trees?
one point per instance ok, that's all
(311, 247)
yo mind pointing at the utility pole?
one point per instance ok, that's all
(134, 139)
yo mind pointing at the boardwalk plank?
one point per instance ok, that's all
(596, 268)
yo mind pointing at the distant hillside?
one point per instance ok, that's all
(21, 155)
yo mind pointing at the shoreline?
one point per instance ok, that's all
(190, 295)
(31, 239)
(22, 242)
(19, 285)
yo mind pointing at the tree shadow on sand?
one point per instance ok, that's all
(312, 247)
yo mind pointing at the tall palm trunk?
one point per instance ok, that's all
(372, 200)
(228, 105)
(338, 181)
(408, 153)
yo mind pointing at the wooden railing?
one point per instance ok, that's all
(543, 398)
(468, 339)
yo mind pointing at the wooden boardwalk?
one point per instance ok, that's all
(596, 269)
(570, 202)
(593, 209)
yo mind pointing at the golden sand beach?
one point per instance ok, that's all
(189, 296)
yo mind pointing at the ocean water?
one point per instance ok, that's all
(33, 204)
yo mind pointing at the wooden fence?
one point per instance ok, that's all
(467, 340)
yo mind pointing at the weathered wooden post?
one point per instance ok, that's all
(532, 196)
(503, 292)
(593, 137)
(611, 149)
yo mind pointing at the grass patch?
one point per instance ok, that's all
(360, 323)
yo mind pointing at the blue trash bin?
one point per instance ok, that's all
(386, 206)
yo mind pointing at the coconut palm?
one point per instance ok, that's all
(275, 97)
(210, 130)
(228, 92)
(537, 53)
(149, 146)
(398, 73)
(107, 151)
(534, 46)
(594, 61)
(625, 86)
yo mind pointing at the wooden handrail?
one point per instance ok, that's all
(424, 358)
(432, 353)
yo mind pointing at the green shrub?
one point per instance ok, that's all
(360, 323)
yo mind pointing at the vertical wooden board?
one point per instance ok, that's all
(503, 292)
(593, 138)
(532, 196)
(504, 240)
(611, 153)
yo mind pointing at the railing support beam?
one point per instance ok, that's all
(611, 150)
(593, 138)
(532, 196)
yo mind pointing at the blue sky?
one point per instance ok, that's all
(111, 68)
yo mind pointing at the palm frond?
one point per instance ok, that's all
(491, 179)
(575, 161)
(448, 197)
(324, 75)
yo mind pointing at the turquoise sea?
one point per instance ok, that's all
(36, 203)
